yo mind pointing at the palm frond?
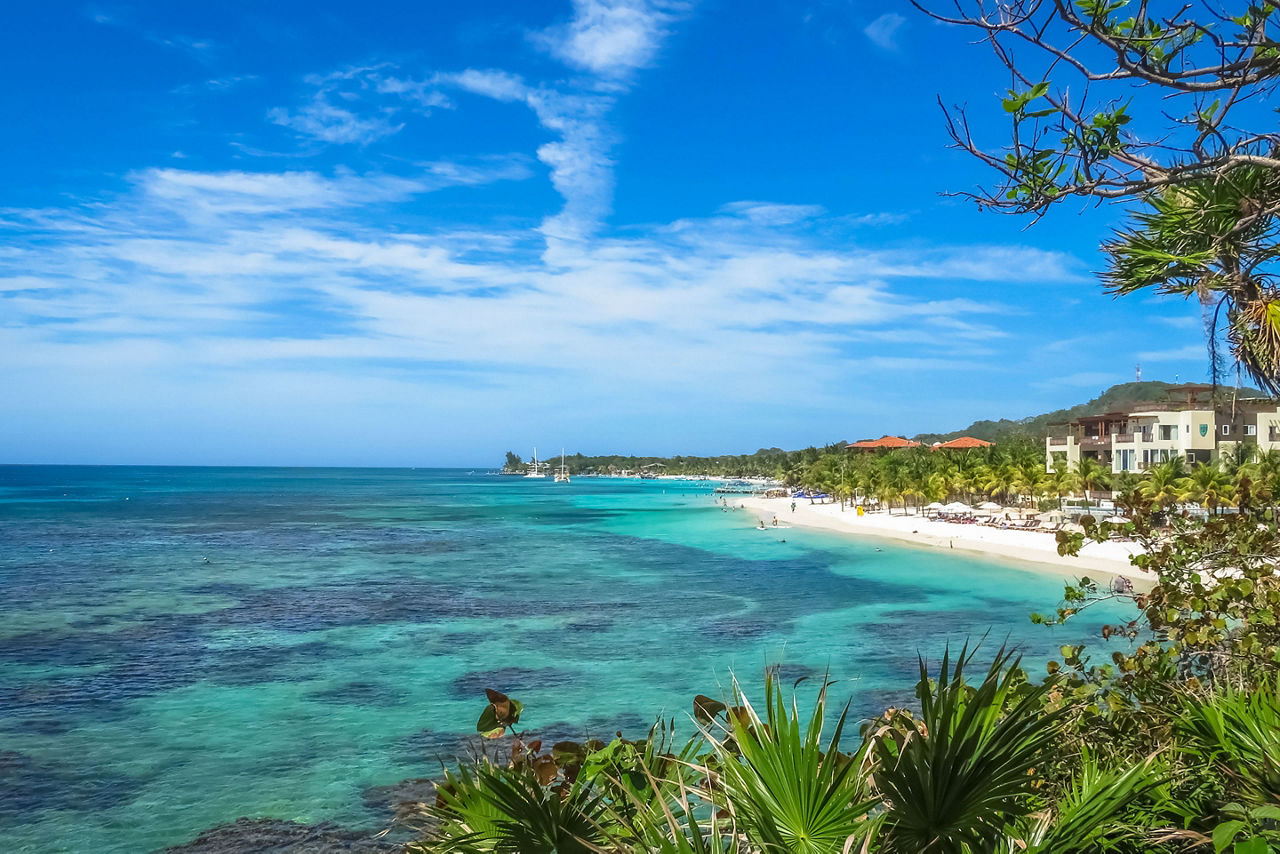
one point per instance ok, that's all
(1239, 731)
(970, 771)
(1090, 817)
(786, 792)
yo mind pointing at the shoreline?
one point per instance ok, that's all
(1037, 549)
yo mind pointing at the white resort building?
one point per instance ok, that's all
(1191, 424)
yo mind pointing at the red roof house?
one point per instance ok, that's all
(884, 443)
(964, 443)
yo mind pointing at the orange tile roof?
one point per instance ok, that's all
(886, 442)
(964, 442)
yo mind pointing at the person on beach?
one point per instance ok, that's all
(793, 507)
(775, 521)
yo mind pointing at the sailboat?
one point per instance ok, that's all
(534, 469)
(562, 473)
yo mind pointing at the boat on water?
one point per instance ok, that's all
(562, 473)
(535, 468)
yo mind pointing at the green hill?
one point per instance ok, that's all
(1118, 397)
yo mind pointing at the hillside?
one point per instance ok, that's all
(1034, 426)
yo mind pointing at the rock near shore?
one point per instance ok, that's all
(275, 836)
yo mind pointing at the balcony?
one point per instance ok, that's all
(1123, 438)
(1058, 440)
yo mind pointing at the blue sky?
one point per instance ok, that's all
(424, 233)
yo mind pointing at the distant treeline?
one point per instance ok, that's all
(766, 462)
(794, 467)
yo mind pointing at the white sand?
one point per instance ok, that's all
(1038, 548)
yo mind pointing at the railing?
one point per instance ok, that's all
(1170, 407)
(1058, 440)
(1127, 438)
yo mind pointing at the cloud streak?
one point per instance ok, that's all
(883, 31)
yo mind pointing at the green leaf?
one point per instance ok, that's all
(1224, 833)
(1253, 845)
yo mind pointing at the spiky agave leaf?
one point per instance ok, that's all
(656, 799)
(487, 808)
(787, 793)
(956, 785)
(1238, 731)
(679, 819)
(1091, 816)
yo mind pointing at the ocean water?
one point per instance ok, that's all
(180, 647)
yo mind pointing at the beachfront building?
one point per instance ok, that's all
(1190, 424)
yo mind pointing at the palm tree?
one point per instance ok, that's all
(1163, 485)
(1030, 479)
(1061, 481)
(1000, 480)
(1237, 456)
(1213, 238)
(1262, 476)
(1209, 485)
(1091, 475)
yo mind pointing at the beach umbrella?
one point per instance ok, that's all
(937, 505)
(1117, 519)
(989, 505)
(957, 507)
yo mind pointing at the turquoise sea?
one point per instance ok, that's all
(180, 647)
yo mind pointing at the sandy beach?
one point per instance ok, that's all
(1037, 548)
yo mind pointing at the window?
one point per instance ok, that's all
(1188, 429)
(1251, 429)
(1226, 429)
(1166, 431)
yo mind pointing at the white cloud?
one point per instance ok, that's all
(207, 261)
(328, 122)
(1082, 379)
(765, 213)
(345, 108)
(217, 84)
(1191, 352)
(883, 31)
(610, 38)
(881, 218)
